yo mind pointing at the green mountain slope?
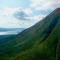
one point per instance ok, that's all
(39, 42)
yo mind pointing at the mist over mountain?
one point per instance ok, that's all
(39, 42)
(8, 31)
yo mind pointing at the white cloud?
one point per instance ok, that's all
(7, 19)
(23, 14)
(40, 3)
(28, 11)
(9, 22)
(45, 4)
(9, 11)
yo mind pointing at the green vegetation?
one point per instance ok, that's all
(39, 42)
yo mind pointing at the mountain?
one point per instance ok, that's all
(5, 38)
(10, 31)
(39, 42)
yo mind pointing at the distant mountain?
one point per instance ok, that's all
(10, 31)
(39, 42)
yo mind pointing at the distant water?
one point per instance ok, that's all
(8, 33)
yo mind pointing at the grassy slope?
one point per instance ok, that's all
(46, 50)
(40, 42)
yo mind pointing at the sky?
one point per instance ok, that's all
(25, 13)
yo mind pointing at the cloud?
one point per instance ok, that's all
(44, 3)
(28, 11)
(44, 6)
(7, 20)
(26, 17)
(9, 11)
(21, 15)
(19, 12)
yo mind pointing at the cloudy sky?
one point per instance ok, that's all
(24, 13)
